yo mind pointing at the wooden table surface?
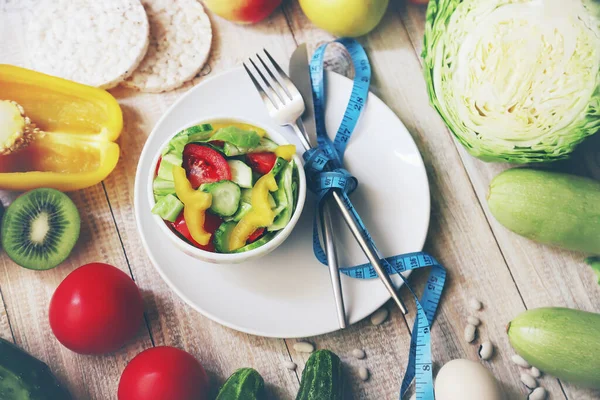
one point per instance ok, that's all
(507, 273)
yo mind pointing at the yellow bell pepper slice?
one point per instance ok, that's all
(79, 125)
(259, 216)
(286, 151)
(195, 204)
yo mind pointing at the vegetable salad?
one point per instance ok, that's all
(225, 187)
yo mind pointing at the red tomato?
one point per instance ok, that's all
(211, 224)
(256, 235)
(96, 309)
(261, 162)
(204, 165)
(163, 373)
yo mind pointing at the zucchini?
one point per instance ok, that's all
(221, 236)
(322, 378)
(548, 207)
(562, 342)
(225, 197)
(24, 377)
(244, 384)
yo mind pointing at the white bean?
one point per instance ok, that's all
(537, 394)
(520, 361)
(304, 347)
(529, 381)
(474, 320)
(363, 373)
(290, 365)
(470, 333)
(358, 354)
(475, 304)
(486, 350)
(379, 316)
(536, 373)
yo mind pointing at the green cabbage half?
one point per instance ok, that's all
(515, 80)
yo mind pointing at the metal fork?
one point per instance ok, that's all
(285, 105)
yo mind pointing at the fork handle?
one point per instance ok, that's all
(300, 132)
(366, 247)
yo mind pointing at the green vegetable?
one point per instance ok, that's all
(515, 80)
(279, 165)
(168, 207)
(225, 197)
(23, 377)
(322, 378)
(221, 237)
(241, 173)
(265, 144)
(255, 245)
(284, 196)
(548, 207)
(594, 262)
(237, 137)
(562, 342)
(244, 384)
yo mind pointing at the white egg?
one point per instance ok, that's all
(466, 380)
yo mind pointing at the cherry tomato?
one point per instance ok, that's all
(162, 373)
(204, 165)
(96, 309)
(261, 162)
(211, 224)
(256, 235)
(158, 166)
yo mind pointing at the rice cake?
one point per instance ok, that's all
(180, 41)
(98, 43)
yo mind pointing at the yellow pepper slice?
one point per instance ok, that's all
(195, 203)
(286, 151)
(79, 125)
(260, 215)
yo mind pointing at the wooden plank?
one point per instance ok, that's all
(544, 276)
(459, 233)
(220, 349)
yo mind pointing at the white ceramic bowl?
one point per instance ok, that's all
(234, 258)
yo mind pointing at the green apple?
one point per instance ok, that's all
(345, 17)
(243, 11)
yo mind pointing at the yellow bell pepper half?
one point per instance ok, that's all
(261, 214)
(195, 204)
(79, 125)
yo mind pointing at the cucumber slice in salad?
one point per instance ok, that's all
(255, 245)
(280, 164)
(241, 173)
(168, 207)
(246, 198)
(285, 190)
(225, 197)
(221, 237)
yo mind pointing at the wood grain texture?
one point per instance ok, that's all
(485, 261)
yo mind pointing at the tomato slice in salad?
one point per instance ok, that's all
(262, 162)
(211, 224)
(204, 165)
(256, 235)
(157, 166)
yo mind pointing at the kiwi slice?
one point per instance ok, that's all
(40, 229)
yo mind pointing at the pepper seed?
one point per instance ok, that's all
(358, 354)
(470, 333)
(529, 381)
(536, 373)
(474, 320)
(304, 347)
(379, 316)
(475, 304)
(486, 350)
(363, 373)
(537, 394)
(290, 365)
(520, 361)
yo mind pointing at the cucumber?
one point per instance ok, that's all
(244, 384)
(284, 191)
(241, 173)
(163, 187)
(241, 212)
(225, 197)
(322, 378)
(168, 207)
(279, 165)
(255, 245)
(25, 377)
(562, 342)
(548, 207)
(247, 198)
(221, 236)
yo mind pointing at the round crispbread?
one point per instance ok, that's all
(98, 43)
(180, 41)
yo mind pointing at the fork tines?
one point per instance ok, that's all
(277, 89)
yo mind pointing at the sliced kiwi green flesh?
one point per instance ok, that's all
(40, 229)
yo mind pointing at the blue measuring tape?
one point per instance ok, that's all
(325, 172)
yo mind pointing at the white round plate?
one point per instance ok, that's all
(288, 293)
